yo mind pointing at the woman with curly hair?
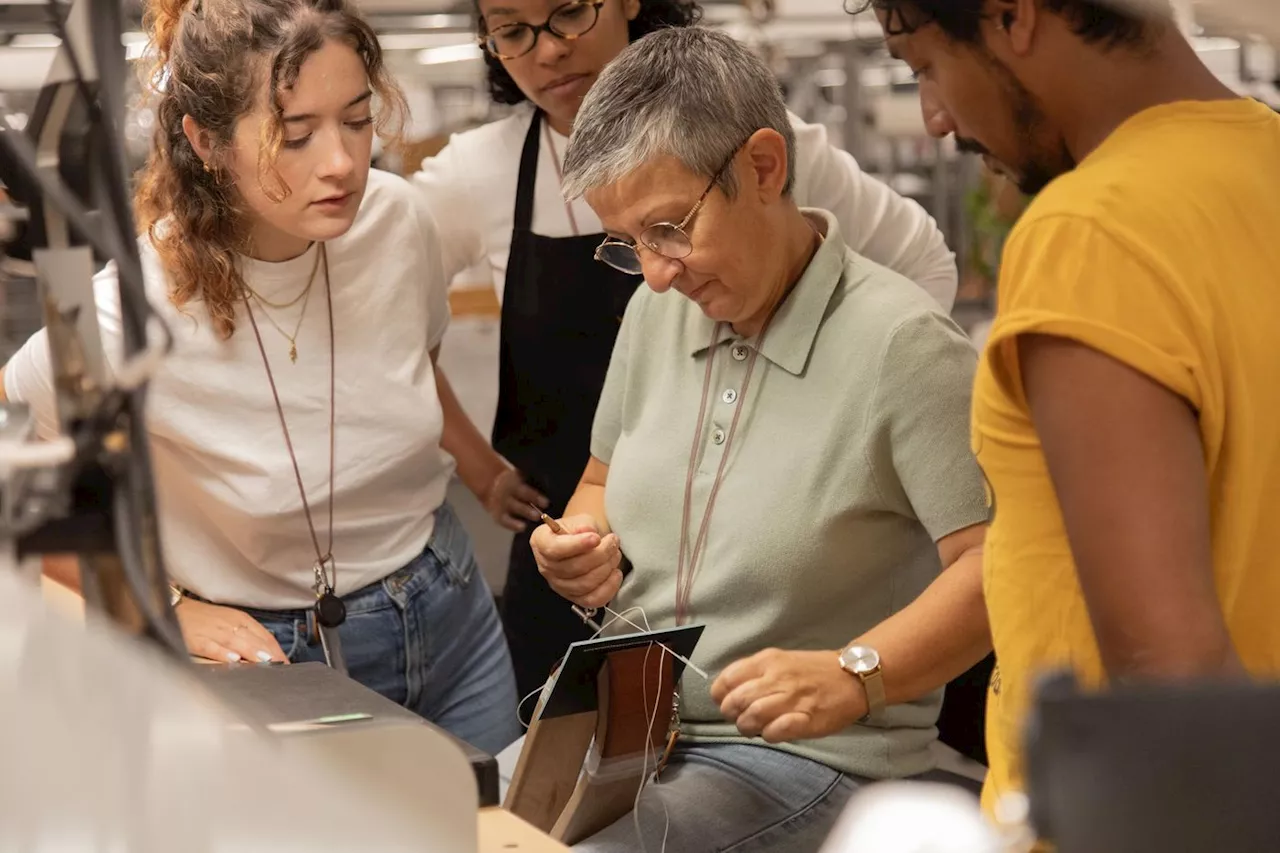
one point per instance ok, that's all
(496, 193)
(297, 425)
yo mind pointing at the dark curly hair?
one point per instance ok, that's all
(654, 15)
(1099, 23)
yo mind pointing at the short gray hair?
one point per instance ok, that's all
(690, 93)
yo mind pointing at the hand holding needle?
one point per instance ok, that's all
(548, 521)
(586, 615)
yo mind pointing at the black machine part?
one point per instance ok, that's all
(1156, 768)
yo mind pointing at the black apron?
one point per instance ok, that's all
(561, 310)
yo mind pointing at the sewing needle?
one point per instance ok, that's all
(548, 520)
(588, 615)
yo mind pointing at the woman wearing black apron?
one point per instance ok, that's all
(558, 309)
(495, 193)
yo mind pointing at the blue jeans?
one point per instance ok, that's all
(739, 797)
(427, 637)
(723, 797)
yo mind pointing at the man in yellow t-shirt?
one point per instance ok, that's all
(1127, 407)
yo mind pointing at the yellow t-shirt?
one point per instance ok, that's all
(1162, 250)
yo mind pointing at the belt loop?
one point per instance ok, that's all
(313, 634)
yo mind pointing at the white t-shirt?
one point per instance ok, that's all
(470, 187)
(231, 518)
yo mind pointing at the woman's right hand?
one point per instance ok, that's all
(579, 564)
(225, 634)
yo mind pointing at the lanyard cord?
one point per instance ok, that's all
(322, 557)
(555, 160)
(685, 574)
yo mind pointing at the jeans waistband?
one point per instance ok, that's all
(446, 547)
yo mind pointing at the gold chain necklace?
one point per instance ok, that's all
(305, 296)
(292, 302)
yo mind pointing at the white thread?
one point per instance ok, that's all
(684, 660)
(622, 617)
(644, 700)
(530, 695)
(648, 748)
(648, 743)
(599, 630)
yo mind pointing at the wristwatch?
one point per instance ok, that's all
(863, 663)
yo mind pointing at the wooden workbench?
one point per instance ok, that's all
(503, 832)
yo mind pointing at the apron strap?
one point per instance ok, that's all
(527, 180)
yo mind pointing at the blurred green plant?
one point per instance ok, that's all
(988, 229)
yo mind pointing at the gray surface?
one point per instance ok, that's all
(273, 694)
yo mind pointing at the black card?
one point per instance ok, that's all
(574, 688)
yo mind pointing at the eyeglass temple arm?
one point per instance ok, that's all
(702, 199)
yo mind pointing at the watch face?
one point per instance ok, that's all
(859, 659)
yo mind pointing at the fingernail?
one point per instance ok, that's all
(233, 657)
(265, 657)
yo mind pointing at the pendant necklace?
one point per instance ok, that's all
(330, 610)
(304, 296)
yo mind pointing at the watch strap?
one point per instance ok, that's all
(873, 685)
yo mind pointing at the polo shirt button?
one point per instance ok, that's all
(739, 353)
(729, 395)
(717, 437)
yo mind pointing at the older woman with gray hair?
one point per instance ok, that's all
(781, 451)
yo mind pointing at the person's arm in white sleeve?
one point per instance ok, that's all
(28, 378)
(876, 222)
(443, 183)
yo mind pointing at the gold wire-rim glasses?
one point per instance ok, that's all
(678, 243)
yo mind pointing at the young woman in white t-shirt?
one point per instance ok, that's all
(299, 421)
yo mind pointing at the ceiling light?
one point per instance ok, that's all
(422, 41)
(451, 53)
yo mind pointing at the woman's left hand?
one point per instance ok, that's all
(784, 696)
(508, 500)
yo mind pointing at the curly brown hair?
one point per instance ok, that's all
(211, 59)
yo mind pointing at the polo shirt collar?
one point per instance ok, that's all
(795, 327)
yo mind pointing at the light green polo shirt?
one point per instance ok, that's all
(850, 461)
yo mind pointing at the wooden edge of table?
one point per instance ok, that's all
(501, 832)
(474, 301)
